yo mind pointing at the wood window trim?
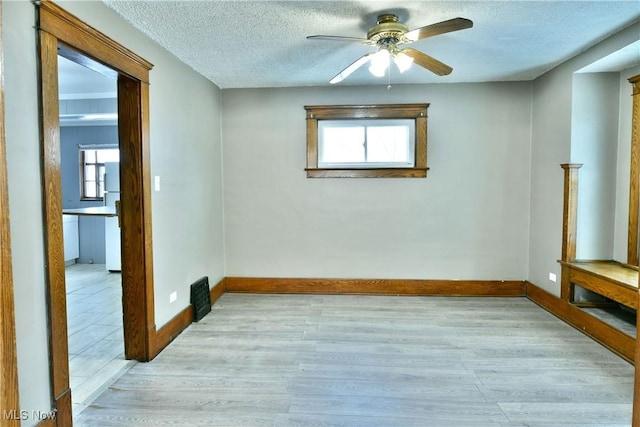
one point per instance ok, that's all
(418, 112)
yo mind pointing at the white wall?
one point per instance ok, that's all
(467, 220)
(185, 153)
(25, 204)
(551, 146)
(623, 164)
(594, 143)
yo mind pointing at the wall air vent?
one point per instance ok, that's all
(200, 298)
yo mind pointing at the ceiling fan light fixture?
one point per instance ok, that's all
(387, 35)
(379, 63)
(403, 61)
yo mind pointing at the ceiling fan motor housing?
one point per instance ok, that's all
(387, 30)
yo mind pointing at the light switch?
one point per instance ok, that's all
(157, 183)
(552, 277)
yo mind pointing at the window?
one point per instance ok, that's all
(92, 162)
(367, 141)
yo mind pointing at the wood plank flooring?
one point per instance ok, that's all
(343, 360)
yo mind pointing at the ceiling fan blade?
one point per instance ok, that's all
(426, 61)
(454, 24)
(351, 68)
(340, 39)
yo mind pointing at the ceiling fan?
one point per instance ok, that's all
(388, 34)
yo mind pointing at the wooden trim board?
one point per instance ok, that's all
(607, 279)
(570, 210)
(9, 397)
(376, 286)
(634, 176)
(64, 26)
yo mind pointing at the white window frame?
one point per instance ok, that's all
(366, 124)
(99, 171)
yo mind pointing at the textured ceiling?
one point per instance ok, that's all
(241, 44)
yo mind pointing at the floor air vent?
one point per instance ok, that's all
(200, 298)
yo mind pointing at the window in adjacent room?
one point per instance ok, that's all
(367, 141)
(92, 162)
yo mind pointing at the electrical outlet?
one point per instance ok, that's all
(173, 297)
(552, 277)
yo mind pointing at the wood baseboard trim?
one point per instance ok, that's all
(47, 422)
(172, 329)
(60, 416)
(593, 304)
(64, 408)
(512, 288)
(181, 321)
(610, 337)
(217, 291)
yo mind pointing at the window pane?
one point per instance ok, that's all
(343, 145)
(109, 155)
(388, 144)
(89, 173)
(366, 143)
(90, 189)
(93, 170)
(89, 156)
(101, 171)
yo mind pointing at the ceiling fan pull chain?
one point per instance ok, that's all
(389, 81)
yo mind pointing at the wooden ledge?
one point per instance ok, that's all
(612, 271)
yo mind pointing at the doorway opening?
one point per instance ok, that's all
(90, 171)
(61, 33)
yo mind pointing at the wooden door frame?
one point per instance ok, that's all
(62, 32)
(634, 176)
(9, 396)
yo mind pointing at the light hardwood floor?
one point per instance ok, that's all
(314, 360)
(94, 324)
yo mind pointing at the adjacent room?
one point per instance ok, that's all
(90, 158)
(402, 213)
